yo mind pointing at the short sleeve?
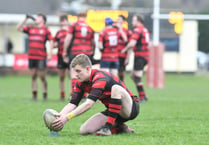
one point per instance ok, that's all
(49, 35)
(26, 29)
(136, 34)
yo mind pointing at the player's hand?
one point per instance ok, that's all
(123, 51)
(118, 26)
(60, 122)
(49, 57)
(126, 61)
(65, 58)
(101, 49)
(30, 17)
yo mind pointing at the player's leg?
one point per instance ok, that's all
(34, 75)
(114, 67)
(139, 64)
(121, 75)
(93, 124)
(120, 104)
(129, 111)
(120, 93)
(121, 70)
(62, 83)
(114, 71)
(42, 75)
(105, 66)
(62, 67)
(137, 75)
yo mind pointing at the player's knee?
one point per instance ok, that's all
(116, 89)
(62, 78)
(84, 129)
(43, 79)
(34, 76)
(137, 79)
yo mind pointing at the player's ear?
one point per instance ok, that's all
(88, 68)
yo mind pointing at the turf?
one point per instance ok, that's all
(175, 115)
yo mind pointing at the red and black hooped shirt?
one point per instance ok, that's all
(142, 36)
(37, 40)
(98, 86)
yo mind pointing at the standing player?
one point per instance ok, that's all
(121, 104)
(121, 45)
(61, 65)
(139, 41)
(81, 38)
(108, 45)
(38, 34)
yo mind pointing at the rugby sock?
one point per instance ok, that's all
(114, 108)
(141, 91)
(45, 95)
(62, 94)
(34, 94)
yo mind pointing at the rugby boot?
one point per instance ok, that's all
(104, 131)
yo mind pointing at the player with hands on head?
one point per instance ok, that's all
(121, 105)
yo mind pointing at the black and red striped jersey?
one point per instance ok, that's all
(83, 35)
(122, 44)
(109, 37)
(142, 36)
(98, 86)
(60, 38)
(37, 40)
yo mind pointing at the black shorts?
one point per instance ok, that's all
(109, 64)
(122, 66)
(95, 61)
(61, 64)
(36, 63)
(139, 63)
(134, 113)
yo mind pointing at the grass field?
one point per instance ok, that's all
(175, 115)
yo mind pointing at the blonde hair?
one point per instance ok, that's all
(82, 60)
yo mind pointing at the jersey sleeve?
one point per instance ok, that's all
(77, 94)
(26, 29)
(71, 28)
(49, 35)
(129, 35)
(136, 34)
(56, 38)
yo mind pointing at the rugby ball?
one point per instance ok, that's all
(49, 117)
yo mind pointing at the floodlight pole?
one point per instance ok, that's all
(155, 72)
(156, 22)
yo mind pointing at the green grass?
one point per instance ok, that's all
(175, 115)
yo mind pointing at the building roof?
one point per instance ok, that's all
(29, 6)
